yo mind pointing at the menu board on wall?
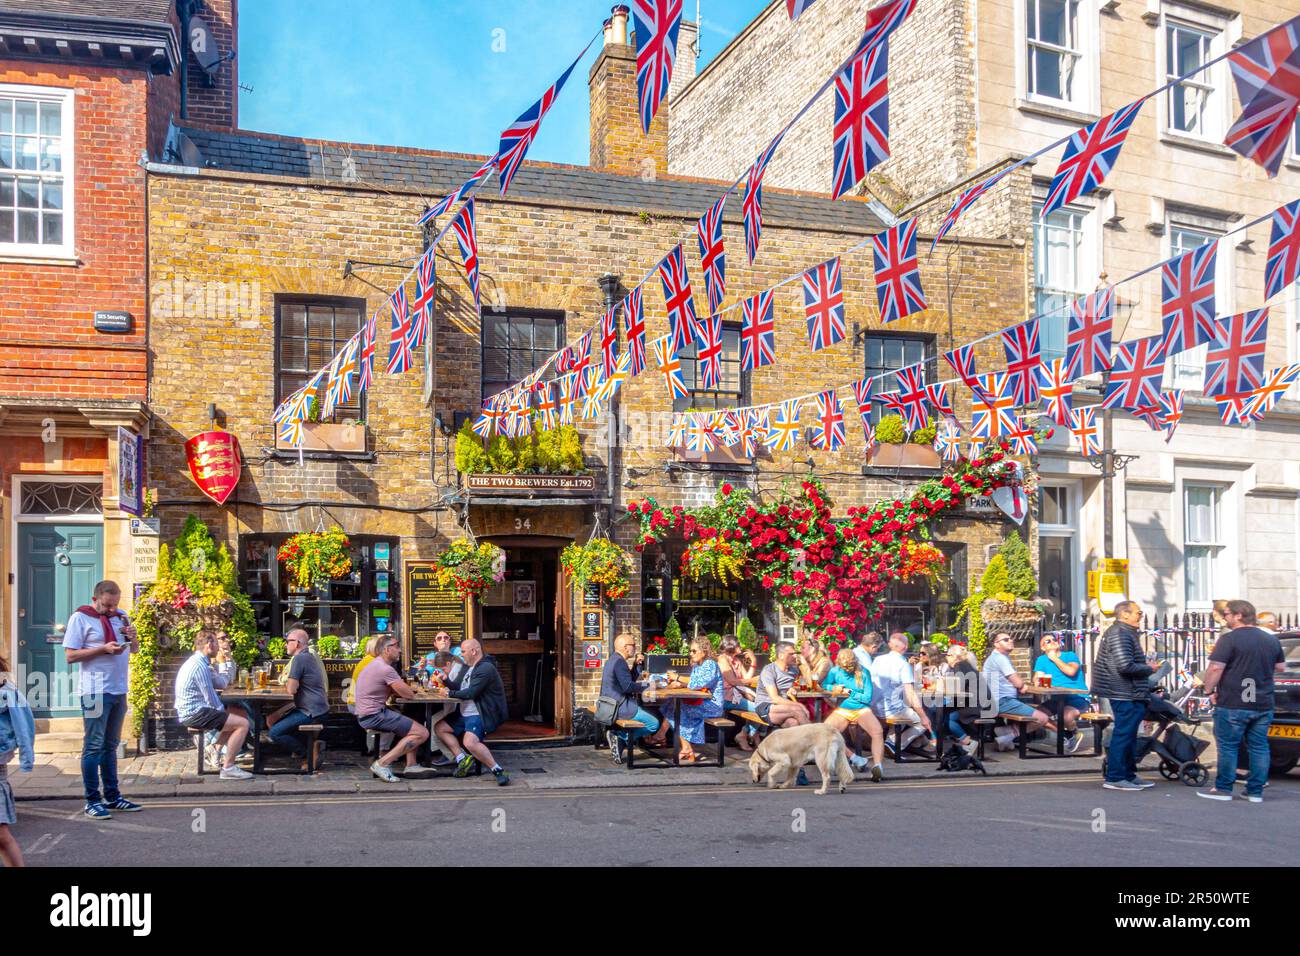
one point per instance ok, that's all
(431, 608)
(593, 614)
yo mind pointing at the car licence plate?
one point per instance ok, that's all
(1284, 730)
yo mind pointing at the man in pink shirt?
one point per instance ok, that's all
(374, 686)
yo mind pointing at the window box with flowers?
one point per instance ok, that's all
(894, 448)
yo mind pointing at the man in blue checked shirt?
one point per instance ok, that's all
(198, 706)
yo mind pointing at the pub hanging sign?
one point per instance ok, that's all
(215, 463)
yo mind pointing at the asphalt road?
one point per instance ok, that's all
(1017, 822)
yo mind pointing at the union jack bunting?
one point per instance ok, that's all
(884, 19)
(485, 425)
(579, 354)
(608, 340)
(1272, 390)
(568, 395)
(823, 304)
(297, 407)
(947, 442)
(546, 406)
(1187, 298)
(862, 395)
(1087, 335)
(962, 360)
(519, 135)
(1090, 154)
(592, 377)
(796, 7)
(1135, 374)
(338, 389)
(728, 428)
(400, 358)
(369, 333)
(911, 394)
(1170, 412)
(467, 239)
(898, 280)
(1267, 74)
(752, 203)
(670, 367)
(1234, 408)
(1235, 360)
(713, 255)
(757, 331)
(861, 127)
(592, 407)
(828, 435)
(1020, 343)
(964, 202)
(679, 300)
(1022, 438)
(521, 413)
(1283, 266)
(581, 382)
(752, 429)
(699, 433)
(937, 396)
(892, 403)
(634, 327)
(783, 428)
(422, 306)
(993, 405)
(976, 445)
(677, 431)
(1083, 426)
(710, 356)
(657, 24)
(1055, 389)
(451, 199)
(290, 432)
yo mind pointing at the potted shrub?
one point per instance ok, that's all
(894, 448)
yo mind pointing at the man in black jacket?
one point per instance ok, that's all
(483, 709)
(1120, 674)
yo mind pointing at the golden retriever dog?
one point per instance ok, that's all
(784, 751)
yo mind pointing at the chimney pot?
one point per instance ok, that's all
(619, 20)
(609, 31)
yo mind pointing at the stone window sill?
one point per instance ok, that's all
(1052, 111)
(1200, 145)
(18, 259)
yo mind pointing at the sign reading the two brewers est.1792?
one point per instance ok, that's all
(531, 484)
(431, 608)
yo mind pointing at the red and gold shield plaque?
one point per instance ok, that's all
(215, 463)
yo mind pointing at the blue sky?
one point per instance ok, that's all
(425, 73)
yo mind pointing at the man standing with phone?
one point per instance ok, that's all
(100, 639)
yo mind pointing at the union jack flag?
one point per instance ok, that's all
(784, 428)
(446, 202)
(1272, 390)
(546, 406)
(467, 239)
(657, 24)
(485, 425)
(1020, 343)
(912, 396)
(937, 396)
(1090, 154)
(947, 442)
(861, 117)
(898, 280)
(1267, 74)
(1170, 412)
(677, 431)
(338, 390)
(634, 326)
(892, 403)
(679, 300)
(592, 377)
(521, 412)
(1235, 361)
(964, 202)
(823, 303)
(829, 433)
(611, 383)
(1055, 389)
(796, 7)
(568, 395)
(593, 407)
(710, 356)
(727, 427)
(752, 203)
(369, 334)
(1087, 336)
(1083, 426)
(1135, 374)
(699, 433)
(400, 358)
(519, 135)
(422, 307)
(757, 331)
(962, 360)
(1283, 250)
(608, 340)
(884, 19)
(862, 389)
(580, 354)
(290, 432)
(1023, 441)
(670, 367)
(713, 255)
(1187, 298)
(753, 428)
(993, 404)
(1234, 408)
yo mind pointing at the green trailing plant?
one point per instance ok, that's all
(329, 646)
(1021, 580)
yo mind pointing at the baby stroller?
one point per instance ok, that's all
(1178, 750)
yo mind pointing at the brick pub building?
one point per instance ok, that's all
(267, 224)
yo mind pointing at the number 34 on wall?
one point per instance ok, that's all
(523, 524)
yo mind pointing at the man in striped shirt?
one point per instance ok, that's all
(198, 706)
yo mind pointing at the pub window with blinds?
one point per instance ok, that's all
(310, 331)
(515, 344)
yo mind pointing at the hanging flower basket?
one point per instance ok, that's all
(599, 561)
(314, 558)
(714, 558)
(470, 570)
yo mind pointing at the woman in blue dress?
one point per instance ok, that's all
(705, 675)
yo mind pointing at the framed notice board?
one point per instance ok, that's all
(431, 608)
(591, 613)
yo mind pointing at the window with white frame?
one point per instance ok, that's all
(1195, 106)
(35, 170)
(1187, 369)
(1054, 47)
(1202, 543)
(1065, 267)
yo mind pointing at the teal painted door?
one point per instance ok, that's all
(58, 565)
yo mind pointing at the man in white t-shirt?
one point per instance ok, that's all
(1005, 684)
(895, 696)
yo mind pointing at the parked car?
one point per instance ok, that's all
(1284, 735)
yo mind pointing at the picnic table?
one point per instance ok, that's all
(429, 698)
(1055, 698)
(261, 700)
(819, 699)
(676, 695)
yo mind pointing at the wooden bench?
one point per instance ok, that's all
(1022, 738)
(983, 727)
(899, 725)
(1098, 722)
(312, 732)
(721, 725)
(199, 737)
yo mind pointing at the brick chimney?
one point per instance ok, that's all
(617, 143)
(216, 104)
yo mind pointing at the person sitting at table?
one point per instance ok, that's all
(198, 706)
(442, 642)
(959, 665)
(868, 648)
(307, 681)
(738, 668)
(773, 701)
(705, 675)
(894, 692)
(370, 650)
(483, 709)
(624, 679)
(1064, 669)
(224, 664)
(1005, 684)
(855, 710)
(814, 662)
(377, 682)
